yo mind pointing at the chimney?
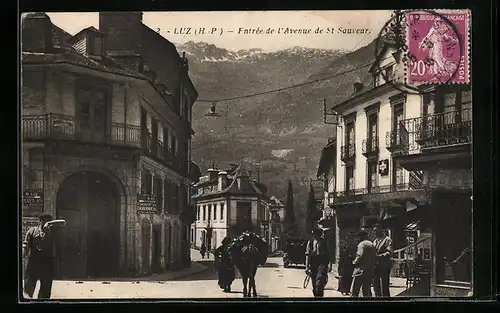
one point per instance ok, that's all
(222, 180)
(124, 35)
(212, 173)
(358, 86)
(36, 33)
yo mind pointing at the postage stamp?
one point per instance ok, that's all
(438, 47)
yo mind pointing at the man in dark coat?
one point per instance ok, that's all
(318, 262)
(224, 265)
(38, 248)
(345, 270)
(383, 246)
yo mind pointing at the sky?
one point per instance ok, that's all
(170, 23)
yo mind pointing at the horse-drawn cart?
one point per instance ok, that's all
(295, 252)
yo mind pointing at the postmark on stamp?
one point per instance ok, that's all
(438, 47)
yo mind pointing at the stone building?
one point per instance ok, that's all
(106, 126)
(227, 203)
(276, 217)
(404, 161)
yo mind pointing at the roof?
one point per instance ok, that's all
(245, 186)
(152, 42)
(63, 52)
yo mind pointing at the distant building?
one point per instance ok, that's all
(106, 128)
(227, 203)
(276, 217)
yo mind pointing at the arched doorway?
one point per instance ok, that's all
(90, 243)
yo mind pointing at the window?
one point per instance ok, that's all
(372, 175)
(158, 191)
(154, 135)
(205, 213)
(166, 195)
(222, 211)
(350, 134)
(398, 116)
(398, 178)
(466, 104)
(199, 213)
(174, 145)
(449, 108)
(175, 198)
(349, 172)
(146, 183)
(96, 45)
(372, 132)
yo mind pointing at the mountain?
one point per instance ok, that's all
(284, 131)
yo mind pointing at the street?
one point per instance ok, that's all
(272, 281)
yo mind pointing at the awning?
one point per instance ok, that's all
(328, 155)
(406, 217)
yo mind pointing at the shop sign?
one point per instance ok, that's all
(146, 204)
(32, 202)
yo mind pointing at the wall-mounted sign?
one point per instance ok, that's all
(383, 167)
(146, 204)
(32, 202)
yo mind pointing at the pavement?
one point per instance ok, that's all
(200, 281)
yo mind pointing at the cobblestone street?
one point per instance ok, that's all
(272, 280)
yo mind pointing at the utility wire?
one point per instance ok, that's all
(286, 88)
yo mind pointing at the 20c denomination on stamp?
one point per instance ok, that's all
(438, 47)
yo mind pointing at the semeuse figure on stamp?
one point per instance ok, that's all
(38, 248)
(318, 262)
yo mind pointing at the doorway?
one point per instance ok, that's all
(89, 244)
(168, 238)
(156, 249)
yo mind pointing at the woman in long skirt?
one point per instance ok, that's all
(345, 271)
(225, 266)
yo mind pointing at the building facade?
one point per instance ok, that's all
(106, 144)
(404, 161)
(227, 203)
(276, 217)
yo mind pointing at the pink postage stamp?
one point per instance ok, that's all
(438, 47)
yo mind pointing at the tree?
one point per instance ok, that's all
(313, 213)
(289, 223)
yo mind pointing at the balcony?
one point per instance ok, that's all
(386, 193)
(348, 153)
(393, 141)
(436, 131)
(369, 147)
(63, 127)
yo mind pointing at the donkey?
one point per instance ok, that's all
(247, 259)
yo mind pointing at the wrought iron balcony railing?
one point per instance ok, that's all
(393, 141)
(347, 152)
(433, 131)
(58, 126)
(369, 146)
(63, 127)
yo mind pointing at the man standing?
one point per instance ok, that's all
(38, 247)
(364, 265)
(318, 262)
(383, 246)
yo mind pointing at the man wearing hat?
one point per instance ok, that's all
(318, 262)
(364, 264)
(38, 247)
